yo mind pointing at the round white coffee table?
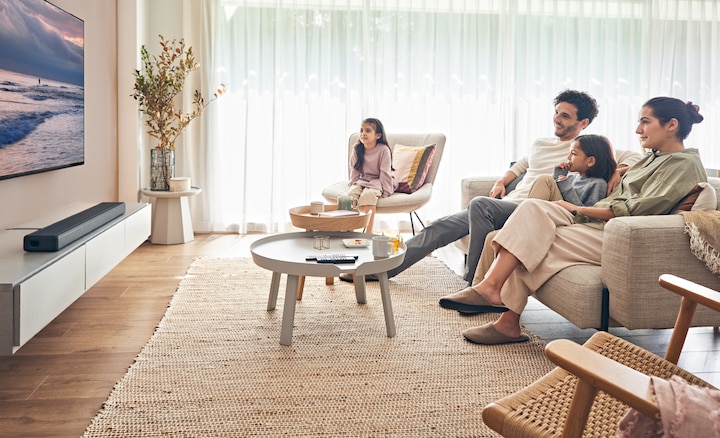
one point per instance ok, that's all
(286, 253)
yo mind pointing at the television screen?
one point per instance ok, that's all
(42, 83)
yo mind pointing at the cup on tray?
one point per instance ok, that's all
(345, 202)
(382, 247)
(317, 207)
(395, 238)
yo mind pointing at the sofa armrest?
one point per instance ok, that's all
(636, 251)
(470, 188)
(475, 186)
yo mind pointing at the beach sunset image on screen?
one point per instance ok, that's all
(41, 88)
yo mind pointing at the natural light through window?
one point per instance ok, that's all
(304, 73)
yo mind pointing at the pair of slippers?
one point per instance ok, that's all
(469, 302)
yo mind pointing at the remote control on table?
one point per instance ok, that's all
(333, 258)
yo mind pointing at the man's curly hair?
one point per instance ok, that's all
(586, 105)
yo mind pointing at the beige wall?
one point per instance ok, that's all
(128, 118)
(97, 180)
(115, 144)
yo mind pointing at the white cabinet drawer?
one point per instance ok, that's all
(46, 294)
(137, 229)
(104, 252)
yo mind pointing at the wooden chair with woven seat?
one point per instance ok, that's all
(595, 384)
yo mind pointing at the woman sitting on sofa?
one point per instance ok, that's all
(542, 237)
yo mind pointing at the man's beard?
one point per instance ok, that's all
(565, 131)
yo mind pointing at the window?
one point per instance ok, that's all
(304, 73)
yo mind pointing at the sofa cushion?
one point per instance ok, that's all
(702, 197)
(706, 200)
(688, 201)
(411, 165)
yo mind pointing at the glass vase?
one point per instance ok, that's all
(162, 168)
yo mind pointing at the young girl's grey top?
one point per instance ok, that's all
(583, 191)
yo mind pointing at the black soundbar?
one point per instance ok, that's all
(64, 232)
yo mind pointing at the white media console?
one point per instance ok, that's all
(35, 287)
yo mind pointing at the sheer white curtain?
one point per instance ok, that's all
(304, 73)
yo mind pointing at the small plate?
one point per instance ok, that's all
(356, 243)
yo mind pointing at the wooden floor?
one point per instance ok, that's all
(54, 385)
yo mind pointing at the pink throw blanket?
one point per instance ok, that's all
(685, 411)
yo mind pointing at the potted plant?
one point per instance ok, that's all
(157, 85)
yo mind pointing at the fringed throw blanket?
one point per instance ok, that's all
(703, 227)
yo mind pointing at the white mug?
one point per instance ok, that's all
(382, 247)
(317, 207)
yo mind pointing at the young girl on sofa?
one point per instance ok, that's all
(371, 175)
(592, 158)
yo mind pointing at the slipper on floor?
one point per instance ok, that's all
(469, 302)
(487, 334)
(471, 312)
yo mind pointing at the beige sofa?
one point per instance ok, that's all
(625, 290)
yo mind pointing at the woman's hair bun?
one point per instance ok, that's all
(694, 111)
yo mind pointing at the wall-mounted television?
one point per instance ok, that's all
(42, 88)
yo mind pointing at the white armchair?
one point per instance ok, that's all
(399, 202)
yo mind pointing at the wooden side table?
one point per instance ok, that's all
(302, 218)
(171, 223)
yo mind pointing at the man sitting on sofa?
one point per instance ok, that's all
(574, 111)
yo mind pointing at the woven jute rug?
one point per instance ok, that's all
(215, 367)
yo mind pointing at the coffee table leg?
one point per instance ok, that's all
(274, 286)
(289, 310)
(387, 304)
(360, 295)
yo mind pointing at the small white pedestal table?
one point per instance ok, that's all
(286, 253)
(171, 221)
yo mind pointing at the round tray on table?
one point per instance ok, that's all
(301, 218)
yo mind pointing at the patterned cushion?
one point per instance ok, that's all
(411, 165)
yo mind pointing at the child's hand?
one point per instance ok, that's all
(560, 172)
